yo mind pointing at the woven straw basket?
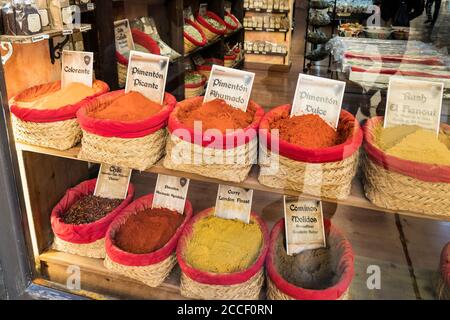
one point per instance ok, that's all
(122, 70)
(95, 249)
(211, 35)
(193, 92)
(188, 46)
(274, 294)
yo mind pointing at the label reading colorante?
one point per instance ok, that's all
(233, 86)
(170, 193)
(77, 66)
(123, 37)
(414, 102)
(234, 203)
(319, 96)
(112, 182)
(303, 224)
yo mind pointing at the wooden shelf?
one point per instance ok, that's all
(266, 30)
(261, 53)
(266, 10)
(45, 35)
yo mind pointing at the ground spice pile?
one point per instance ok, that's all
(132, 106)
(88, 209)
(215, 114)
(147, 230)
(223, 246)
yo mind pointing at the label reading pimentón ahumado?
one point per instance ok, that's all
(233, 86)
(123, 37)
(303, 225)
(234, 203)
(112, 182)
(414, 102)
(170, 193)
(77, 66)
(319, 96)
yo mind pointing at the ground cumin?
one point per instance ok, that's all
(89, 209)
(132, 106)
(147, 230)
(215, 114)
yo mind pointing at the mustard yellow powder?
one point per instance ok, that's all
(223, 246)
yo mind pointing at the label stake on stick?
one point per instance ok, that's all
(234, 203)
(321, 96)
(303, 224)
(170, 193)
(233, 86)
(77, 66)
(112, 182)
(123, 37)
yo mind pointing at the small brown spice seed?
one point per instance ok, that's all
(88, 209)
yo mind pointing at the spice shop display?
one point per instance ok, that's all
(211, 24)
(318, 274)
(222, 259)
(319, 4)
(313, 157)
(194, 84)
(265, 47)
(80, 220)
(443, 284)
(45, 115)
(206, 65)
(381, 33)
(231, 22)
(267, 5)
(230, 157)
(21, 18)
(271, 22)
(317, 37)
(319, 18)
(193, 36)
(350, 29)
(126, 128)
(348, 7)
(141, 242)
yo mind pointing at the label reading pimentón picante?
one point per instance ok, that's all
(147, 74)
(77, 66)
(319, 96)
(414, 102)
(170, 193)
(303, 224)
(123, 37)
(112, 182)
(234, 203)
(233, 86)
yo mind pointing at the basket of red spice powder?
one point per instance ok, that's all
(213, 139)
(79, 221)
(312, 157)
(443, 284)
(126, 128)
(141, 241)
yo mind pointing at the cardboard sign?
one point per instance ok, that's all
(123, 36)
(232, 85)
(77, 66)
(303, 225)
(319, 96)
(414, 102)
(147, 74)
(234, 203)
(112, 182)
(187, 14)
(170, 193)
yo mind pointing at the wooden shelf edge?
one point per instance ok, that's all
(44, 35)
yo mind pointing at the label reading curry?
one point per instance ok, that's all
(303, 224)
(77, 66)
(147, 75)
(414, 102)
(170, 193)
(233, 86)
(319, 96)
(112, 182)
(123, 37)
(234, 203)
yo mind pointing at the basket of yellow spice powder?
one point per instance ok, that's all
(407, 168)
(221, 258)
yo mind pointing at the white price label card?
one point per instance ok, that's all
(414, 102)
(170, 193)
(147, 74)
(303, 224)
(232, 85)
(234, 203)
(123, 36)
(77, 66)
(112, 182)
(321, 96)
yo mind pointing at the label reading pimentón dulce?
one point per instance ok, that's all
(170, 193)
(414, 102)
(319, 96)
(77, 66)
(112, 182)
(147, 74)
(123, 37)
(234, 203)
(232, 85)
(303, 224)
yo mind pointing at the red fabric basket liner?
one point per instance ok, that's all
(193, 85)
(234, 139)
(223, 278)
(445, 264)
(205, 23)
(89, 232)
(123, 129)
(191, 39)
(230, 26)
(51, 115)
(208, 66)
(230, 57)
(141, 39)
(131, 259)
(332, 293)
(417, 170)
(298, 153)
